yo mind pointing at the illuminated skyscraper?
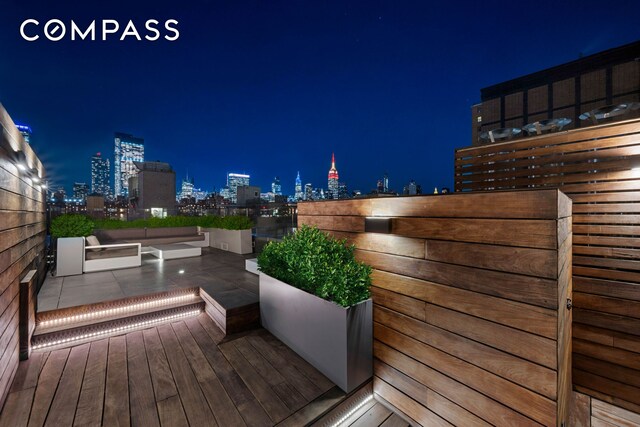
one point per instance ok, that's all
(333, 184)
(187, 188)
(299, 195)
(128, 149)
(80, 191)
(25, 131)
(412, 189)
(234, 180)
(100, 172)
(276, 188)
(308, 191)
(343, 193)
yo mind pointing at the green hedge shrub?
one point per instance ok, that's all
(71, 225)
(233, 222)
(319, 264)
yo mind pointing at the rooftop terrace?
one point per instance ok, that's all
(513, 307)
(185, 372)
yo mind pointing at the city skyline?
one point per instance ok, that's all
(101, 178)
(388, 87)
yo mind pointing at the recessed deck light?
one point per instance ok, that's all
(346, 416)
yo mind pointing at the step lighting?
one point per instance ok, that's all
(117, 310)
(346, 416)
(117, 329)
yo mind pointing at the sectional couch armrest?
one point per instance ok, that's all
(116, 245)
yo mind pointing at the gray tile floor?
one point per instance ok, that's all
(217, 271)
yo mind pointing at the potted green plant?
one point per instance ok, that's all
(69, 231)
(230, 233)
(314, 296)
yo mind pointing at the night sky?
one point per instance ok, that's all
(272, 87)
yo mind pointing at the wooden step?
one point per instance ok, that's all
(90, 313)
(235, 310)
(75, 325)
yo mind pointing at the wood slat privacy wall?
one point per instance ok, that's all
(471, 325)
(22, 234)
(599, 168)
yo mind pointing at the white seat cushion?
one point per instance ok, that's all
(93, 241)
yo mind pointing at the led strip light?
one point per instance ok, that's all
(117, 310)
(118, 329)
(353, 411)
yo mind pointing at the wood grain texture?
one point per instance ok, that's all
(613, 414)
(193, 400)
(22, 236)
(407, 404)
(64, 403)
(141, 399)
(433, 401)
(597, 168)
(90, 402)
(526, 205)
(526, 289)
(336, 223)
(535, 377)
(247, 404)
(526, 402)
(172, 374)
(272, 403)
(47, 385)
(526, 233)
(387, 243)
(222, 406)
(528, 346)
(468, 290)
(517, 315)
(528, 261)
(116, 395)
(399, 303)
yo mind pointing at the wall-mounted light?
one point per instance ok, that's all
(377, 225)
(20, 160)
(35, 174)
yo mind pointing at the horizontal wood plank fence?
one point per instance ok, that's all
(471, 325)
(599, 169)
(22, 236)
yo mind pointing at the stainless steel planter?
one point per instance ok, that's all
(337, 341)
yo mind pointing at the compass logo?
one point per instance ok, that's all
(55, 30)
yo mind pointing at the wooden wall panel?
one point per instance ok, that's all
(470, 303)
(22, 235)
(532, 262)
(599, 169)
(387, 243)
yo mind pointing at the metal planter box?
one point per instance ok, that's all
(337, 341)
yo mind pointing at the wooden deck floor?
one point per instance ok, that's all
(170, 375)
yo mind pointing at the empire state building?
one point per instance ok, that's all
(333, 179)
